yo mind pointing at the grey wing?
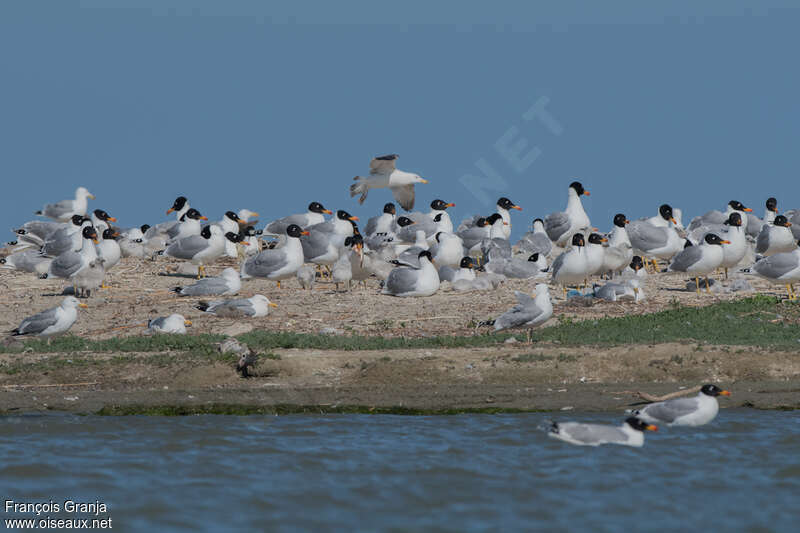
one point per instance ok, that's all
(777, 265)
(315, 244)
(753, 224)
(278, 227)
(173, 231)
(446, 273)
(541, 243)
(38, 322)
(520, 269)
(556, 225)
(265, 262)
(468, 223)
(59, 209)
(472, 236)
(644, 236)
(384, 164)
(233, 308)
(517, 316)
(157, 323)
(42, 228)
(670, 410)
(404, 195)
(187, 247)
(410, 257)
(593, 433)
(66, 264)
(206, 287)
(686, 258)
(557, 264)
(372, 223)
(610, 291)
(401, 280)
(762, 241)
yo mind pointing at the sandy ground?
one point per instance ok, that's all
(514, 376)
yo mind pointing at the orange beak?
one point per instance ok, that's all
(673, 220)
(244, 243)
(505, 223)
(450, 205)
(304, 233)
(725, 393)
(354, 219)
(518, 208)
(272, 304)
(725, 242)
(327, 211)
(170, 210)
(586, 193)
(747, 209)
(788, 224)
(95, 241)
(627, 221)
(651, 427)
(112, 219)
(603, 240)
(83, 305)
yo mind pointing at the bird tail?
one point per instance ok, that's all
(177, 289)
(202, 305)
(38, 212)
(359, 187)
(14, 332)
(486, 323)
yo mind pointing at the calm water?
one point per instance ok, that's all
(392, 473)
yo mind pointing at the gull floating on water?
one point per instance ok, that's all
(631, 433)
(696, 411)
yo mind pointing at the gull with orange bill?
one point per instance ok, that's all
(700, 260)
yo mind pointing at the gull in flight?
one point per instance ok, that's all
(382, 173)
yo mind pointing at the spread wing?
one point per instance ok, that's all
(404, 195)
(384, 164)
(39, 322)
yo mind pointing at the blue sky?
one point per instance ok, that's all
(270, 105)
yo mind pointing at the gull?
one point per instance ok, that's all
(734, 251)
(776, 237)
(595, 253)
(230, 222)
(435, 220)
(68, 264)
(108, 248)
(277, 263)
(68, 238)
(306, 276)
(382, 173)
(173, 323)
(755, 224)
(62, 211)
(27, 261)
(227, 284)
(654, 237)
(696, 411)
(780, 268)
(529, 312)
(253, 307)
(324, 241)
(615, 291)
(132, 243)
(465, 271)
(561, 226)
(571, 267)
(447, 249)
(536, 241)
(503, 206)
(718, 217)
(201, 249)
(383, 222)
(37, 232)
(535, 266)
(51, 322)
(700, 260)
(407, 281)
(619, 252)
(100, 220)
(630, 433)
(188, 225)
(313, 216)
(246, 216)
(473, 235)
(180, 207)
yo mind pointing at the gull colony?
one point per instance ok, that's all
(415, 254)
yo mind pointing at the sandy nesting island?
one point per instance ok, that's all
(504, 375)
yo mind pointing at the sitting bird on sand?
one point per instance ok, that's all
(255, 306)
(227, 284)
(174, 323)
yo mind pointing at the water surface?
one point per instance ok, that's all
(396, 473)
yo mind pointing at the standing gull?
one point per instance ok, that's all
(775, 238)
(561, 226)
(277, 263)
(700, 260)
(383, 173)
(62, 211)
(530, 312)
(53, 321)
(780, 268)
(571, 266)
